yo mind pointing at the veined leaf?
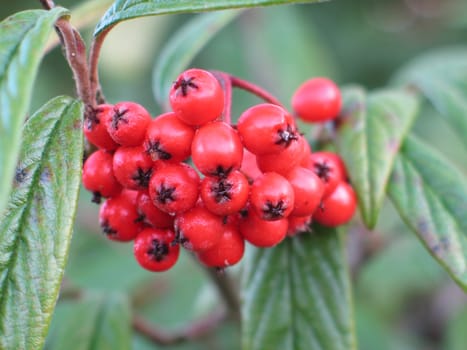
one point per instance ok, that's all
(35, 230)
(183, 47)
(103, 321)
(368, 140)
(442, 77)
(297, 295)
(23, 37)
(127, 9)
(431, 197)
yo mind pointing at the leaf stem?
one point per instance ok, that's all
(75, 53)
(47, 4)
(195, 330)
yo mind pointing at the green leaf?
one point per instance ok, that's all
(297, 295)
(127, 9)
(430, 195)
(441, 76)
(23, 37)
(35, 230)
(183, 47)
(374, 128)
(97, 322)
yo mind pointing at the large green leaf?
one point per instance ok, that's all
(297, 295)
(182, 48)
(23, 37)
(35, 230)
(369, 139)
(430, 195)
(442, 77)
(97, 322)
(127, 9)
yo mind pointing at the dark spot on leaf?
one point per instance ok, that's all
(46, 174)
(20, 175)
(422, 227)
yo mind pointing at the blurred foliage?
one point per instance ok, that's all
(362, 41)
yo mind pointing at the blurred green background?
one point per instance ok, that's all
(404, 300)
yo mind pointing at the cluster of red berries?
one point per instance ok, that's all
(257, 181)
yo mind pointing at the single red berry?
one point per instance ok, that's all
(152, 215)
(225, 195)
(95, 127)
(198, 229)
(308, 189)
(298, 224)
(262, 233)
(317, 100)
(173, 188)
(283, 161)
(272, 197)
(128, 123)
(267, 128)
(153, 249)
(168, 138)
(330, 169)
(227, 252)
(249, 166)
(216, 149)
(133, 167)
(338, 208)
(197, 97)
(118, 217)
(98, 176)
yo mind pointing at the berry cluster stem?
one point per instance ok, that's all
(226, 82)
(254, 89)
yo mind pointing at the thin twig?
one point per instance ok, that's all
(227, 290)
(96, 46)
(196, 330)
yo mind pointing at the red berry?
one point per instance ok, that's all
(308, 189)
(330, 169)
(225, 195)
(197, 97)
(283, 161)
(272, 197)
(95, 128)
(151, 214)
(317, 100)
(298, 224)
(128, 123)
(338, 208)
(262, 233)
(227, 252)
(198, 229)
(249, 166)
(118, 217)
(132, 167)
(98, 176)
(216, 149)
(154, 251)
(167, 138)
(173, 188)
(266, 128)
